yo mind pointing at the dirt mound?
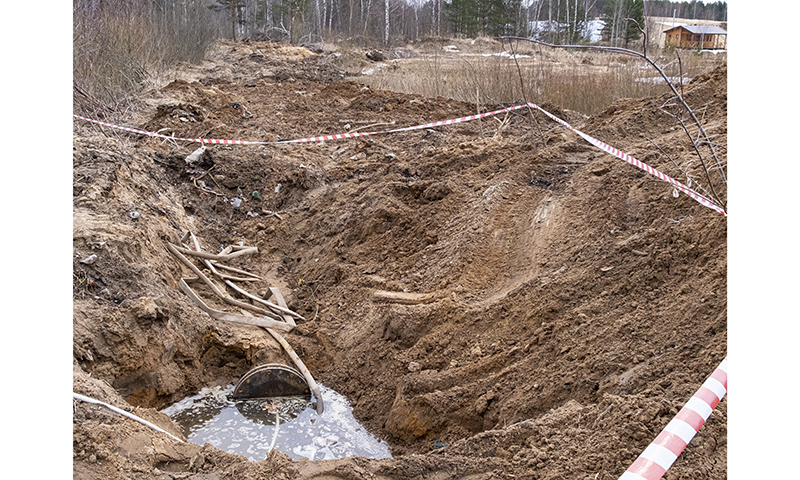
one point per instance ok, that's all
(495, 307)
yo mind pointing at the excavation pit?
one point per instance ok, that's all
(554, 345)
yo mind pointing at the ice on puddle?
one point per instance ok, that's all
(306, 451)
(210, 417)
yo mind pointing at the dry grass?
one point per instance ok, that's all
(584, 81)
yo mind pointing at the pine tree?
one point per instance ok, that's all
(491, 17)
(618, 31)
(462, 15)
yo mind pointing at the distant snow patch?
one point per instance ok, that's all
(371, 70)
(505, 54)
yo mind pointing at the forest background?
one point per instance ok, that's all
(119, 44)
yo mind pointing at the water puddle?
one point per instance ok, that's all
(289, 424)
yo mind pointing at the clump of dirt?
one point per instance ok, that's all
(489, 307)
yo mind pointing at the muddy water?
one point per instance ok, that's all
(290, 425)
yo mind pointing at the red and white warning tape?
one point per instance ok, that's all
(405, 129)
(607, 148)
(656, 459)
(647, 168)
(159, 135)
(339, 136)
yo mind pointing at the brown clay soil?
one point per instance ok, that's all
(556, 305)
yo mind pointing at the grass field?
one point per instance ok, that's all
(483, 71)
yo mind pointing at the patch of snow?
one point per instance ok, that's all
(371, 70)
(450, 48)
(504, 54)
(593, 30)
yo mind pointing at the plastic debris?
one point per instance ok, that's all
(90, 259)
(195, 156)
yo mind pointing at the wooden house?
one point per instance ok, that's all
(704, 37)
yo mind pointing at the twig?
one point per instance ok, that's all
(706, 169)
(211, 266)
(644, 35)
(524, 97)
(680, 69)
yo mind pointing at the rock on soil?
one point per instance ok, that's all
(544, 312)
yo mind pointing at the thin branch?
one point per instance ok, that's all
(524, 97)
(706, 169)
(644, 35)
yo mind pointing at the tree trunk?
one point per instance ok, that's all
(386, 23)
(233, 19)
(320, 22)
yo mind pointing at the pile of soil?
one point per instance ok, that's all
(490, 307)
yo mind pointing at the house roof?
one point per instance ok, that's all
(701, 29)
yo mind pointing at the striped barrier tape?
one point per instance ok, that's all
(169, 137)
(339, 136)
(647, 168)
(656, 459)
(603, 146)
(404, 129)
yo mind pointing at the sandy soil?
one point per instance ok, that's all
(561, 305)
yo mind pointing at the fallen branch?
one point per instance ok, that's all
(298, 363)
(222, 257)
(235, 270)
(276, 292)
(265, 302)
(232, 317)
(208, 263)
(300, 367)
(226, 298)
